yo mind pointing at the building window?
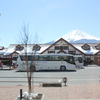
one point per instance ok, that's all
(1, 48)
(97, 47)
(36, 47)
(86, 47)
(61, 47)
(14, 54)
(72, 52)
(19, 48)
(51, 51)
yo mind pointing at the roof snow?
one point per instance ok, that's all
(12, 48)
(92, 50)
(2, 51)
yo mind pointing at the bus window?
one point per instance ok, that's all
(57, 58)
(41, 58)
(49, 58)
(80, 59)
(28, 58)
(70, 59)
(66, 58)
(62, 58)
(23, 58)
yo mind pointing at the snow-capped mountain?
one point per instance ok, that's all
(78, 36)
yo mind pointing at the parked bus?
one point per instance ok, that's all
(47, 62)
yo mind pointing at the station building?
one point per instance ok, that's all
(89, 51)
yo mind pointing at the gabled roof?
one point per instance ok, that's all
(57, 42)
(14, 52)
(44, 47)
(10, 49)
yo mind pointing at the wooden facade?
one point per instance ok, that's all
(97, 58)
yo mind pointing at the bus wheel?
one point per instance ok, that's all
(63, 68)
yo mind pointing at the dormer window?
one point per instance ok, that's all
(86, 47)
(97, 47)
(1, 48)
(36, 47)
(19, 48)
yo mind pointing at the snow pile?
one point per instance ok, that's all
(30, 96)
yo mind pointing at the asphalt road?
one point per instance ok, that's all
(88, 75)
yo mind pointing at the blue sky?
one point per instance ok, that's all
(47, 19)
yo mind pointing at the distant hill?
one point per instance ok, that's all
(78, 36)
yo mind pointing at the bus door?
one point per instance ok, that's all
(79, 62)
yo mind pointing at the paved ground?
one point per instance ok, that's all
(88, 75)
(88, 88)
(90, 91)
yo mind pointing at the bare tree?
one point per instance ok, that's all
(30, 66)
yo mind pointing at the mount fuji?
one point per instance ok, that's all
(78, 36)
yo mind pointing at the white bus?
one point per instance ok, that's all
(47, 62)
